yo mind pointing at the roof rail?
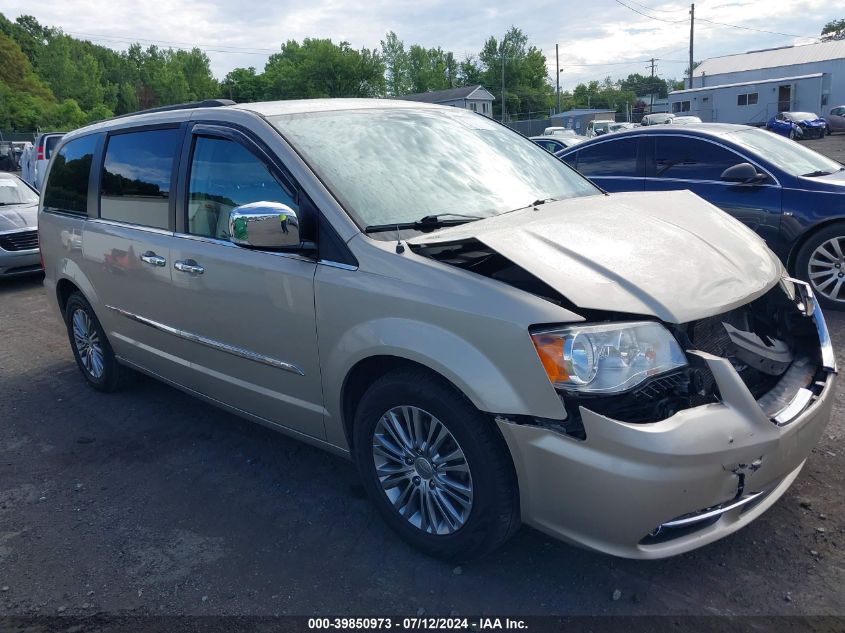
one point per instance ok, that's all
(207, 103)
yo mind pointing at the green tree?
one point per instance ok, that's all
(525, 77)
(244, 85)
(834, 30)
(395, 60)
(321, 68)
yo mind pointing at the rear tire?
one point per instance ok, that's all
(91, 348)
(414, 481)
(821, 262)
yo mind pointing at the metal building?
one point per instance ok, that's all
(752, 87)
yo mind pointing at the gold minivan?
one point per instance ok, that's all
(488, 335)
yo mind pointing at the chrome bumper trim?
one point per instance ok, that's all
(800, 401)
(811, 309)
(709, 514)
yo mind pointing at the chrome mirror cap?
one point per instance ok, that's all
(265, 225)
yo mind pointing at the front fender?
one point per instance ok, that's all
(454, 358)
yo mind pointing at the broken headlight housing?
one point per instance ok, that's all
(607, 358)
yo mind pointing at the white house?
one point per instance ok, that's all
(475, 98)
(752, 87)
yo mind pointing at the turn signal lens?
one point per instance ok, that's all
(550, 350)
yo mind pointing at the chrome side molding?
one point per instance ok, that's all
(218, 345)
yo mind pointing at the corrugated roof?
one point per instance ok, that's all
(747, 83)
(439, 96)
(772, 58)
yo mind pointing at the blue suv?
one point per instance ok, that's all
(793, 197)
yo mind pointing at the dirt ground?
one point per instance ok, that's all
(151, 502)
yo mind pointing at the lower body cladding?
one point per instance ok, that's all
(667, 487)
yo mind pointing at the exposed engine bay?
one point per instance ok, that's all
(770, 342)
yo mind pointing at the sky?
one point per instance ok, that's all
(598, 38)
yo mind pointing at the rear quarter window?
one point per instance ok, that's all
(67, 183)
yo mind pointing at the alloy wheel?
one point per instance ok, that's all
(87, 342)
(422, 470)
(826, 269)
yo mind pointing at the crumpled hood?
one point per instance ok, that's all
(18, 216)
(670, 254)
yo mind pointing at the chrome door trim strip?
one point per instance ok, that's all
(708, 182)
(221, 242)
(202, 340)
(127, 225)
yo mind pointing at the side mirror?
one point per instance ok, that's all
(744, 173)
(265, 226)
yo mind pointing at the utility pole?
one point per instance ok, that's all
(651, 108)
(557, 76)
(691, 30)
(503, 80)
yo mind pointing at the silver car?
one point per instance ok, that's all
(18, 227)
(492, 339)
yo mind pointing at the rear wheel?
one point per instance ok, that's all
(821, 261)
(91, 347)
(436, 468)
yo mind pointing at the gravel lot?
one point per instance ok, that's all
(151, 502)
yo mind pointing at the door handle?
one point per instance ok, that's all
(188, 266)
(154, 260)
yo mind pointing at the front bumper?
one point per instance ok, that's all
(19, 262)
(711, 469)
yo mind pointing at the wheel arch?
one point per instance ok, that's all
(802, 240)
(367, 371)
(64, 289)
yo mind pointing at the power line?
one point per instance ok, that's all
(628, 6)
(750, 28)
(655, 9)
(714, 22)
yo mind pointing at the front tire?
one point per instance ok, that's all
(437, 469)
(821, 262)
(91, 348)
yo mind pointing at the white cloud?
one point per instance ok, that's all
(596, 39)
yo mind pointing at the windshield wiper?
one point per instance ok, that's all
(818, 172)
(425, 223)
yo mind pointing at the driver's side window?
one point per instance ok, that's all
(225, 175)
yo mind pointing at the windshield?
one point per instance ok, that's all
(791, 157)
(13, 191)
(801, 116)
(398, 165)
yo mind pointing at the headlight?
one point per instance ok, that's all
(607, 358)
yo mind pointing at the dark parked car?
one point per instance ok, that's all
(790, 195)
(797, 125)
(557, 142)
(836, 120)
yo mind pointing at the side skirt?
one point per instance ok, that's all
(313, 441)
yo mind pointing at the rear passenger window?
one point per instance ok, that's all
(136, 177)
(611, 158)
(67, 184)
(225, 175)
(691, 159)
